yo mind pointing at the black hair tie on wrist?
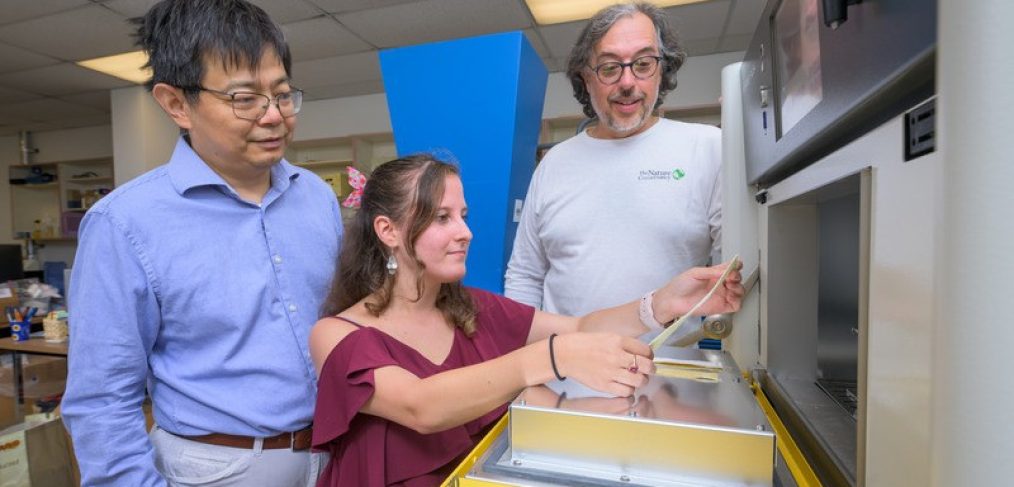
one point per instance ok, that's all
(552, 358)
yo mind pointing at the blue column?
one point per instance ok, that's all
(478, 102)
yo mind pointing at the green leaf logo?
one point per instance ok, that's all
(678, 174)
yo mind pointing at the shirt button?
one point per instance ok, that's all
(292, 308)
(278, 259)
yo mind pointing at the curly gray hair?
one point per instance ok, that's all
(672, 53)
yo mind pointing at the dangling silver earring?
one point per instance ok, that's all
(392, 265)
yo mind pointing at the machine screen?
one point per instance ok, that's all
(797, 61)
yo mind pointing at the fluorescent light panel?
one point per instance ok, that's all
(557, 11)
(124, 66)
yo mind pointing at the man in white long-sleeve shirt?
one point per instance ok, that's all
(614, 211)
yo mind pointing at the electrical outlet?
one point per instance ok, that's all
(920, 130)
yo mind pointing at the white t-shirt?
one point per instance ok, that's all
(607, 220)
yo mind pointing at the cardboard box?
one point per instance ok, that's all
(44, 378)
(8, 296)
(36, 454)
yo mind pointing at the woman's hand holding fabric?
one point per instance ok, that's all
(686, 289)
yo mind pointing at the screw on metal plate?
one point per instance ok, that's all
(760, 427)
(624, 478)
(516, 462)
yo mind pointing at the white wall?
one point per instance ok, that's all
(700, 80)
(143, 135)
(337, 117)
(70, 144)
(699, 83)
(973, 435)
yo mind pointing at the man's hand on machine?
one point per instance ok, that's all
(685, 290)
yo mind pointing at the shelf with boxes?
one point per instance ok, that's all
(329, 158)
(48, 200)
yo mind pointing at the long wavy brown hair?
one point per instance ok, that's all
(407, 190)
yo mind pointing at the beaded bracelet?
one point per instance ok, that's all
(647, 314)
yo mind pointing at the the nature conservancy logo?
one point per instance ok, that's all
(661, 175)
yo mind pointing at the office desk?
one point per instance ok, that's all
(37, 345)
(34, 346)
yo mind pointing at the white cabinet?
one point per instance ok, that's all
(48, 200)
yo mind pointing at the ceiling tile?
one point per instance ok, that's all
(18, 10)
(281, 11)
(533, 38)
(285, 11)
(321, 37)
(72, 35)
(7, 119)
(61, 79)
(428, 21)
(745, 16)
(556, 64)
(8, 95)
(339, 6)
(48, 109)
(560, 38)
(333, 55)
(699, 20)
(27, 126)
(351, 68)
(129, 8)
(81, 121)
(16, 59)
(96, 99)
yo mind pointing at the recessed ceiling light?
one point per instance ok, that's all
(557, 11)
(124, 66)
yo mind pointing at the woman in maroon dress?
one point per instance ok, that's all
(414, 367)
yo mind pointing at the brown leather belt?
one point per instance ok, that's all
(297, 440)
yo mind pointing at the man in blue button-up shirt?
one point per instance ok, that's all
(199, 281)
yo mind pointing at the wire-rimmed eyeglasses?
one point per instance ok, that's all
(643, 67)
(253, 106)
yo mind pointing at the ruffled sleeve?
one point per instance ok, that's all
(367, 450)
(346, 383)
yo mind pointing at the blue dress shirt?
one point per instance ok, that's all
(181, 286)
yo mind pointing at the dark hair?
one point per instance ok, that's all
(179, 36)
(407, 190)
(668, 45)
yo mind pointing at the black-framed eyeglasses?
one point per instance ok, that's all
(253, 106)
(643, 67)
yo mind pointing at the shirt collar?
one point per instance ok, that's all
(187, 171)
